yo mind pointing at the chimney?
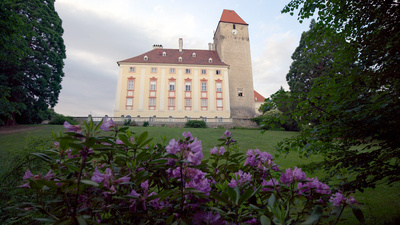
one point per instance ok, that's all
(157, 46)
(180, 44)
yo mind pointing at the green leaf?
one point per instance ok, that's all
(315, 215)
(271, 201)
(246, 195)
(81, 220)
(359, 214)
(89, 182)
(231, 194)
(43, 156)
(265, 220)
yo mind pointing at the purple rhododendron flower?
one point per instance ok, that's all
(49, 175)
(188, 135)
(337, 199)
(207, 218)
(292, 175)
(314, 184)
(28, 174)
(227, 134)
(272, 182)
(107, 124)
(219, 151)
(173, 147)
(72, 128)
(240, 178)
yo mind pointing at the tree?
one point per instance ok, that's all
(358, 99)
(278, 110)
(31, 57)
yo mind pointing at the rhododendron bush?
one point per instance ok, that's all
(105, 174)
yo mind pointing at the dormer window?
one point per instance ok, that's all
(180, 59)
(210, 60)
(194, 54)
(164, 54)
(145, 58)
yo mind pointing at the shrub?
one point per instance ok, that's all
(59, 119)
(124, 178)
(146, 124)
(196, 124)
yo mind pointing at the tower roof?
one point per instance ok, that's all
(230, 16)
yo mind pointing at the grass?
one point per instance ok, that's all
(380, 205)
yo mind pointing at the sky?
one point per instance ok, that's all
(98, 33)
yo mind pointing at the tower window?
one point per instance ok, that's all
(234, 26)
(240, 92)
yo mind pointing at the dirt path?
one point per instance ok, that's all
(17, 128)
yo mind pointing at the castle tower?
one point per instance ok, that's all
(231, 41)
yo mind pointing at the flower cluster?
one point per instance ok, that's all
(260, 160)
(190, 149)
(124, 178)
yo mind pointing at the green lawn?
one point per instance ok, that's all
(380, 205)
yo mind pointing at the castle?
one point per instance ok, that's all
(191, 83)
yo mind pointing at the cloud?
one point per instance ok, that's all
(270, 68)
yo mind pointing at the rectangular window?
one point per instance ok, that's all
(188, 86)
(152, 101)
(129, 101)
(132, 69)
(203, 71)
(153, 85)
(172, 70)
(240, 92)
(187, 71)
(218, 72)
(154, 70)
(172, 85)
(171, 102)
(203, 86)
(219, 87)
(219, 102)
(131, 84)
(188, 102)
(203, 102)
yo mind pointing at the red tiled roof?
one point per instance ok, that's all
(172, 56)
(230, 16)
(258, 97)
